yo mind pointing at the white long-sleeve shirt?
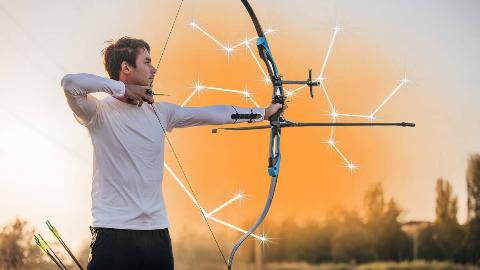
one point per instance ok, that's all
(128, 149)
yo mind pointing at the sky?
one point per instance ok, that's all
(46, 157)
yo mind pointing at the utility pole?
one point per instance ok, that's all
(412, 229)
(258, 257)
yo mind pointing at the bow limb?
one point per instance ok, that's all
(275, 127)
(273, 183)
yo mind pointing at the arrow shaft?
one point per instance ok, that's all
(70, 253)
(58, 263)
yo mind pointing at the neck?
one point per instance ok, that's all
(126, 82)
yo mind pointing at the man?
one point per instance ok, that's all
(130, 225)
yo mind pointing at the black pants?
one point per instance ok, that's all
(114, 249)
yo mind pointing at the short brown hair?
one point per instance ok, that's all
(123, 49)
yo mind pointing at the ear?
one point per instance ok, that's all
(125, 67)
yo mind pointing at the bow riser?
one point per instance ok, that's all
(274, 155)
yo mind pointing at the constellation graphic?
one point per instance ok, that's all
(198, 87)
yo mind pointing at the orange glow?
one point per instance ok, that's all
(313, 177)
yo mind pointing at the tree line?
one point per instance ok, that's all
(379, 235)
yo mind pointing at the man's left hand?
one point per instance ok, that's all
(272, 109)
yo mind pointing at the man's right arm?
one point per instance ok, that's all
(77, 88)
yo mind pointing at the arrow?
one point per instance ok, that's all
(59, 238)
(47, 250)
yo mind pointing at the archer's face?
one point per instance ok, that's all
(144, 72)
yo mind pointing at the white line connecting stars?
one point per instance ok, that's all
(245, 93)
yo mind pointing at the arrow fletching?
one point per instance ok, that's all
(53, 229)
(41, 244)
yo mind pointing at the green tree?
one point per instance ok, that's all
(471, 252)
(473, 186)
(428, 246)
(442, 240)
(318, 238)
(390, 242)
(352, 241)
(374, 202)
(286, 247)
(316, 243)
(449, 232)
(446, 203)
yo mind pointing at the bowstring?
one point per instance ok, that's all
(202, 212)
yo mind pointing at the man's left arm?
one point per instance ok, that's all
(179, 117)
(211, 115)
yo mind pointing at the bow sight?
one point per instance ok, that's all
(308, 82)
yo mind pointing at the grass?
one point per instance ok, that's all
(405, 265)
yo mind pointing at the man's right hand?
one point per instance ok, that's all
(136, 94)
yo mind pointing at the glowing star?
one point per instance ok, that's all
(334, 115)
(337, 28)
(289, 93)
(228, 49)
(240, 196)
(263, 238)
(320, 79)
(351, 166)
(371, 117)
(246, 94)
(198, 87)
(331, 142)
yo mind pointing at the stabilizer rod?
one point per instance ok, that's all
(287, 124)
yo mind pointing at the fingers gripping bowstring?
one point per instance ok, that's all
(202, 212)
